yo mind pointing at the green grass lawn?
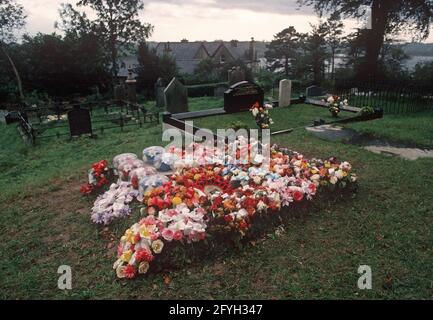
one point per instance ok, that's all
(414, 129)
(45, 223)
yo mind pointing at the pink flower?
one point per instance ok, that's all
(178, 235)
(172, 213)
(167, 234)
(202, 235)
(119, 250)
(312, 187)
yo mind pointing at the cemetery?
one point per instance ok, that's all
(316, 180)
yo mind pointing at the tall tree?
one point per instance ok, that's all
(388, 17)
(151, 67)
(284, 47)
(12, 18)
(334, 38)
(62, 66)
(117, 23)
(316, 50)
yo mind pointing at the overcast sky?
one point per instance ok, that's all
(200, 19)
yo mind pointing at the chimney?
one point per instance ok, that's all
(253, 50)
(167, 49)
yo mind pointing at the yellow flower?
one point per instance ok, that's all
(129, 236)
(126, 256)
(327, 165)
(176, 201)
(157, 246)
(143, 267)
(197, 177)
(144, 232)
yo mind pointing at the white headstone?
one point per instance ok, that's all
(285, 93)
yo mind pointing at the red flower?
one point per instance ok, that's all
(228, 218)
(130, 272)
(143, 255)
(102, 182)
(137, 238)
(134, 182)
(86, 189)
(243, 225)
(298, 196)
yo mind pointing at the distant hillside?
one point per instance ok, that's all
(418, 49)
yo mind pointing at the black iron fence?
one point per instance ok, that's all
(392, 97)
(51, 122)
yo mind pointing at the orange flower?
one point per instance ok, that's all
(229, 205)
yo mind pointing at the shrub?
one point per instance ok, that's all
(203, 90)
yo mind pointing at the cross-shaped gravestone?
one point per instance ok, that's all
(176, 97)
(159, 93)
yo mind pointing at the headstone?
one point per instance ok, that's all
(236, 75)
(314, 91)
(11, 117)
(285, 93)
(131, 87)
(242, 96)
(176, 97)
(159, 93)
(119, 92)
(79, 121)
(219, 90)
(354, 91)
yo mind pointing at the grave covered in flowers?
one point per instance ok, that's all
(185, 201)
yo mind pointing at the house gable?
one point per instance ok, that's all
(222, 54)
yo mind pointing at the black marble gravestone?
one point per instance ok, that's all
(242, 96)
(314, 91)
(79, 121)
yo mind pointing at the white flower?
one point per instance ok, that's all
(118, 263)
(255, 112)
(257, 180)
(331, 99)
(333, 180)
(339, 174)
(157, 246)
(261, 206)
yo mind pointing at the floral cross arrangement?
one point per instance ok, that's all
(261, 115)
(201, 200)
(335, 105)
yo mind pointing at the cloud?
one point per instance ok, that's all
(269, 6)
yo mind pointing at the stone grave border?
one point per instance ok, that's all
(178, 120)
